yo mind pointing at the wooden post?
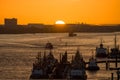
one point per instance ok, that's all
(112, 75)
(116, 62)
(118, 76)
(107, 67)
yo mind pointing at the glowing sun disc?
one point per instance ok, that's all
(59, 22)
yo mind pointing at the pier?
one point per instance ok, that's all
(107, 63)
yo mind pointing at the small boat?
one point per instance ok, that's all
(92, 66)
(77, 70)
(71, 34)
(101, 52)
(49, 45)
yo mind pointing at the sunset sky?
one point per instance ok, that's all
(70, 11)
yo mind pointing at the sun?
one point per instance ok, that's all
(59, 22)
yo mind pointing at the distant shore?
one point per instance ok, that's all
(25, 29)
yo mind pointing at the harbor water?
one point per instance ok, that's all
(18, 52)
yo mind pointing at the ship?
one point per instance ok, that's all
(48, 67)
(77, 70)
(115, 52)
(101, 52)
(38, 71)
(92, 65)
(62, 69)
(43, 67)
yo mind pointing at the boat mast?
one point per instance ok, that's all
(115, 41)
(101, 41)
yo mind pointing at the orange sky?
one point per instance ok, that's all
(70, 11)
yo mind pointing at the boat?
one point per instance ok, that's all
(61, 70)
(43, 67)
(38, 71)
(48, 45)
(48, 67)
(92, 65)
(77, 70)
(71, 34)
(101, 52)
(115, 52)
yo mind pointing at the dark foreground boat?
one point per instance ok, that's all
(61, 70)
(43, 67)
(47, 67)
(77, 70)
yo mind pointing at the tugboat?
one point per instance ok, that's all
(92, 66)
(49, 45)
(77, 70)
(101, 52)
(115, 52)
(43, 67)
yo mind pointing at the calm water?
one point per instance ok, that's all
(18, 52)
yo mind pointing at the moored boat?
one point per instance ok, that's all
(77, 70)
(61, 70)
(92, 65)
(43, 66)
(115, 52)
(101, 52)
(38, 71)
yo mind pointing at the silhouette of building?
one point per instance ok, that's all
(10, 22)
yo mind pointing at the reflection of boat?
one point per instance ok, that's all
(92, 64)
(77, 70)
(101, 52)
(115, 52)
(71, 34)
(43, 67)
(49, 45)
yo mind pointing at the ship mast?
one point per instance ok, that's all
(101, 41)
(115, 42)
